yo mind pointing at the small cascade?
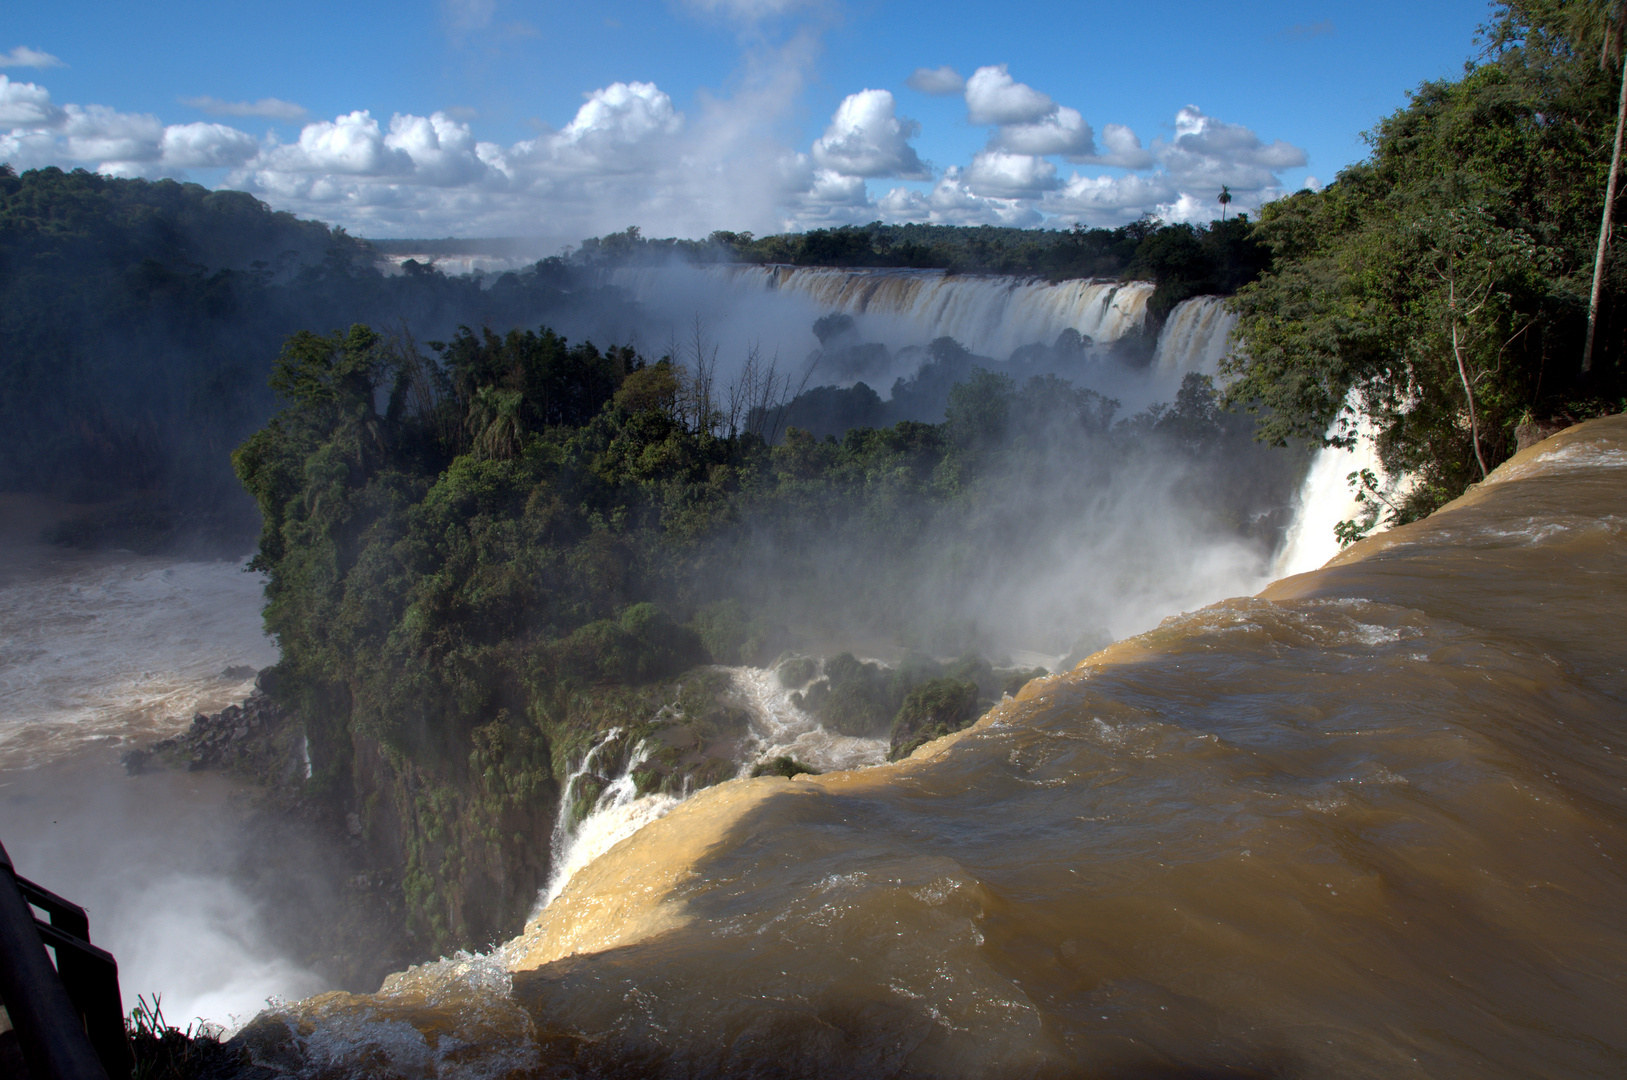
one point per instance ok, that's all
(780, 729)
(1327, 498)
(1196, 337)
(617, 813)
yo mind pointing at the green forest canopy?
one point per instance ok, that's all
(1438, 290)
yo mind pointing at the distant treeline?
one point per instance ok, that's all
(139, 320)
(1183, 260)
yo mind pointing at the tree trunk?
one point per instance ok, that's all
(1604, 224)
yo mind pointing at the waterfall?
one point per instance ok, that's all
(1196, 337)
(1326, 498)
(778, 727)
(617, 813)
(992, 316)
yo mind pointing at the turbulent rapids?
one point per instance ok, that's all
(1369, 822)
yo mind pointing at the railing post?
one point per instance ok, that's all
(89, 974)
(49, 1027)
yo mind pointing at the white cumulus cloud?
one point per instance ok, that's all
(1123, 149)
(994, 97)
(205, 146)
(1110, 200)
(1062, 131)
(1009, 176)
(352, 144)
(24, 104)
(1207, 151)
(952, 202)
(941, 81)
(98, 133)
(867, 138)
(613, 129)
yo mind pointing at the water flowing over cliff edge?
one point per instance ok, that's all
(1369, 822)
(991, 315)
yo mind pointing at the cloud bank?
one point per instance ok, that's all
(631, 155)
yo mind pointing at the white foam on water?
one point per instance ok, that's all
(780, 729)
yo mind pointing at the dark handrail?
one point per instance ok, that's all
(61, 1014)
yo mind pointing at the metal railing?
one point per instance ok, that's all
(69, 1018)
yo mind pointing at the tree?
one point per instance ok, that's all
(1225, 200)
(1605, 21)
(1432, 293)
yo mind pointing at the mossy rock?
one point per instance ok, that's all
(714, 770)
(930, 711)
(1014, 679)
(796, 671)
(785, 766)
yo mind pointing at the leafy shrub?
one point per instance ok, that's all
(785, 766)
(932, 710)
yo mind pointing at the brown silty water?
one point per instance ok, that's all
(1367, 823)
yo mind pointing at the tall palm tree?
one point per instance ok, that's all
(1225, 197)
(1605, 21)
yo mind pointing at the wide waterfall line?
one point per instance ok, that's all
(991, 316)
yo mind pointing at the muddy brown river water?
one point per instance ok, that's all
(1371, 822)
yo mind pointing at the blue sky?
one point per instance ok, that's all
(488, 117)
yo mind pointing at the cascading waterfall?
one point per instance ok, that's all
(1196, 337)
(1326, 498)
(991, 316)
(617, 812)
(778, 727)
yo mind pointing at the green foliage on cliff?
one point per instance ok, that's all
(481, 559)
(1445, 279)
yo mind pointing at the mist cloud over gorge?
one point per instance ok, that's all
(632, 154)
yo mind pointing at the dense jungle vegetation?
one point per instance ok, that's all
(484, 558)
(1445, 281)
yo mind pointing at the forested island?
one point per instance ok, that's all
(488, 549)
